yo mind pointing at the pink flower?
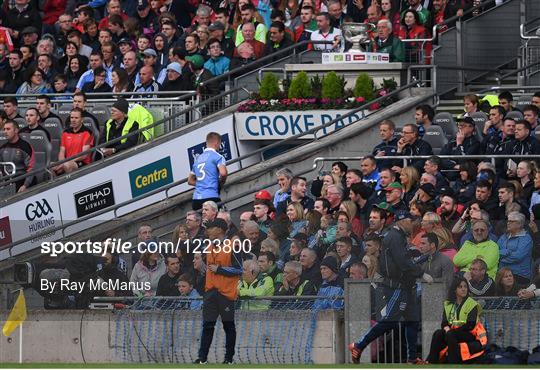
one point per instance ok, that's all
(263, 102)
(383, 93)
(360, 99)
(374, 106)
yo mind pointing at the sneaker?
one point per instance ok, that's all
(200, 362)
(417, 361)
(355, 353)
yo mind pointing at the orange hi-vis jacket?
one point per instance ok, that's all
(226, 278)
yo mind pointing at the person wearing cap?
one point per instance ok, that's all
(218, 31)
(261, 210)
(465, 143)
(145, 16)
(201, 75)
(29, 37)
(150, 59)
(20, 16)
(224, 268)
(124, 45)
(410, 144)
(399, 284)
(119, 125)
(218, 63)
(331, 287)
(174, 80)
(208, 173)
(393, 196)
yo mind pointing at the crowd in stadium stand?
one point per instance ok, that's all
(77, 47)
(470, 217)
(174, 45)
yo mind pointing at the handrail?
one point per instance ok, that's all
(167, 187)
(525, 37)
(506, 75)
(493, 157)
(98, 147)
(14, 168)
(112, 94)
(267, 58)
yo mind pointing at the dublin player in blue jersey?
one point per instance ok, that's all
(208, 173)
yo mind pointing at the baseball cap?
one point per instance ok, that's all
(175, 66)
(387, 207)
(394, 185)
(124, 40)
(197, 60)
(150, 52)
(402, 215)
(263, 194)
(219, 223)
(29, 30)
(142, 4)
(466, 119)
(216, 26)
(301, 237)
(429, 189)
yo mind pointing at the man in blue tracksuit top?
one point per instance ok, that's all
(208, 173)
(399, 284)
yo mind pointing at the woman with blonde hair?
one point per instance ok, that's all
(372, 263)
(295, 214)
(409, 179)
(350, 207)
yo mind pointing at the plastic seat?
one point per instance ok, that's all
(479, 119)
(101, 112)
(21, 122)
(89, 123)
(523, 100)
(436, 137)
(42, 152)
(55, 128)
(447, 123)
(63, 111)
(516, 115)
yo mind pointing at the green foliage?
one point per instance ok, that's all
(389, 84)
(316, 86)
(364, 87)
(300, 87)
(269, 87)
(332, 86)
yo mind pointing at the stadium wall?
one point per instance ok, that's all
(97, 337)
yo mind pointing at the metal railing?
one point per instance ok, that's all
(13, 167)
(97, 149)
(406, 158)
(167, 188)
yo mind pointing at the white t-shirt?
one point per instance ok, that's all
(330, 36)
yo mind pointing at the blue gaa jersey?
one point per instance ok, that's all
(206, 171)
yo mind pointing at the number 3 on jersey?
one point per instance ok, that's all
(200, 167)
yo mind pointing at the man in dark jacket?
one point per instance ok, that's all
(501, 142)
(411, 145)
(22, 15)
(400, 274)
(465, 143)
(388, 146)
(167, 282)
(201, 75)
(118, 126)
(278, 39)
